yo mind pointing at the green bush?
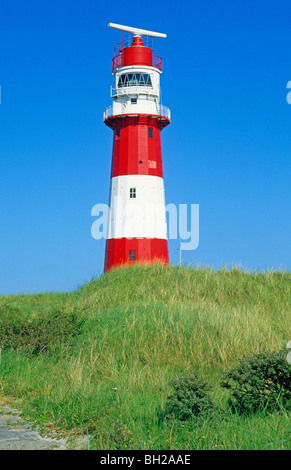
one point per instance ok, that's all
(259, 382)
(121, 437)
(40, 334)
(190, 397)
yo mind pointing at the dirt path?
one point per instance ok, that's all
(17, 434)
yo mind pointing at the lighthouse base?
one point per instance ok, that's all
(142, 250)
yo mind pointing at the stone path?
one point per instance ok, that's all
(17, 434)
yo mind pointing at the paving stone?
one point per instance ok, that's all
(17, 434)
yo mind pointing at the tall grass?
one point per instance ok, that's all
(142, 325)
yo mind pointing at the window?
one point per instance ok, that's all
(150, 132)
(118, 134)
(132, 193)
(133, 100)
(131, 255)
(134, 79)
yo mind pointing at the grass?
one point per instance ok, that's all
(139, 327)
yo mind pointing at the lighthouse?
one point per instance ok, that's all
(137, 227)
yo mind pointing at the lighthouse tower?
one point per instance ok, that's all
(137, 228)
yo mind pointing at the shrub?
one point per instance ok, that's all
(259, 382)
(121, 437)
(41, 334)
(190, 397)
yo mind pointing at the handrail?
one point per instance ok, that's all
(117, 62)
(133, 89)
(163, 111)
(127, 42)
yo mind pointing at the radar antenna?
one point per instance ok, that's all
(138, 31)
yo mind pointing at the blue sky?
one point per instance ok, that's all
(226, 68)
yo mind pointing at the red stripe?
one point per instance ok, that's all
(146, 250)
(137, 146)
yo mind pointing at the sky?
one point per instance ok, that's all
(226, 66)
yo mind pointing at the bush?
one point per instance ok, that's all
(190, 397)
(37, 335)
(259, 382)
(121, 437)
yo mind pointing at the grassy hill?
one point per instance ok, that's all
(98, 361)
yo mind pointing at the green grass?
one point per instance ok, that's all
(141, 326)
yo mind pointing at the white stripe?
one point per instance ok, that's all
(141, 217)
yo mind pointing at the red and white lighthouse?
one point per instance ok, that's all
(137, 227)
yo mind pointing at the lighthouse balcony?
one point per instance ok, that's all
(133, 90)
(165, 111)
(118, 62)
(161, 110)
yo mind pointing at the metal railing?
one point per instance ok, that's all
(108, 112)
(164, 111)
(161, 111)
(136, 90)
(127, 41)
(157, 62)
(117, 62)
